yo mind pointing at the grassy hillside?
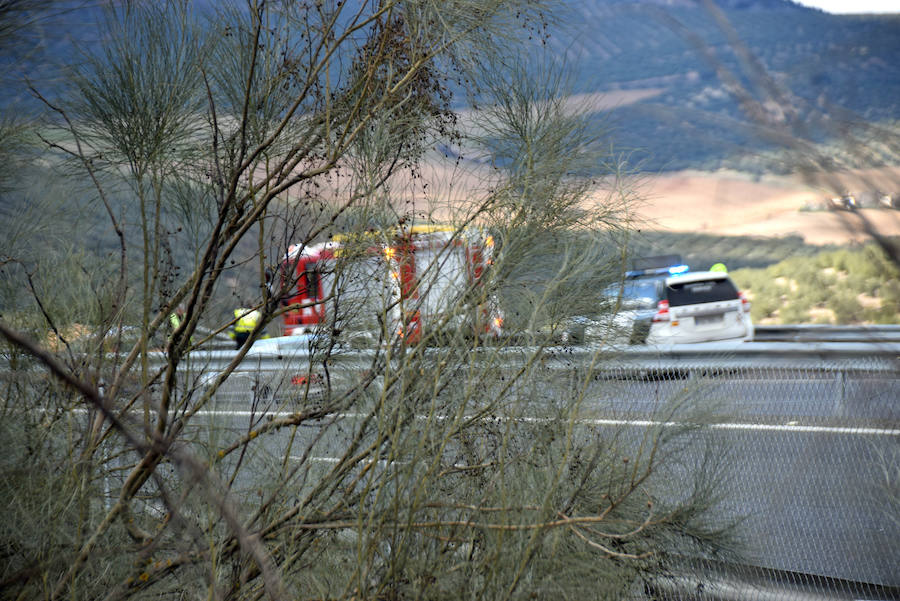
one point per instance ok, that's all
(842, 286)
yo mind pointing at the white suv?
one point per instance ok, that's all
(700, 306)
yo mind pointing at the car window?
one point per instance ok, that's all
(642, 294)
(704, 291)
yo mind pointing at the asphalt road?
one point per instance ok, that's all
(809, 458)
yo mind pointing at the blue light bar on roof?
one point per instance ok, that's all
(671, 270)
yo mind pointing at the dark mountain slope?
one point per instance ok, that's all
(735, 80)
(807, 74)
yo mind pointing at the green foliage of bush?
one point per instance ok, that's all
(793, 313)
(846, 307)
(889, 292)
(50, 502)
(789, 291)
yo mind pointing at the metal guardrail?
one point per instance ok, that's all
(294, 352)
(874, 348)
(724, 582)
(827, 333)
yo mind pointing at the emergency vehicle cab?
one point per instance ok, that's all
(410, 279)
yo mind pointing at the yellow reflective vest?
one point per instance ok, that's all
(246, 320)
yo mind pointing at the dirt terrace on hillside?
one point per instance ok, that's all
(734, 204)
(722, 203)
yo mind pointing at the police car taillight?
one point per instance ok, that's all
(745, 304)
(662, 311)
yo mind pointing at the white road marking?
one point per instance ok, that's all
(790, 427)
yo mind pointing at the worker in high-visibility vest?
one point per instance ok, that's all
(176, 317)
(246, 322)
(175, 320)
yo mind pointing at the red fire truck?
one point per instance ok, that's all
(411, 279)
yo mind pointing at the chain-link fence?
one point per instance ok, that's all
(803, 458)
(808, 460)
